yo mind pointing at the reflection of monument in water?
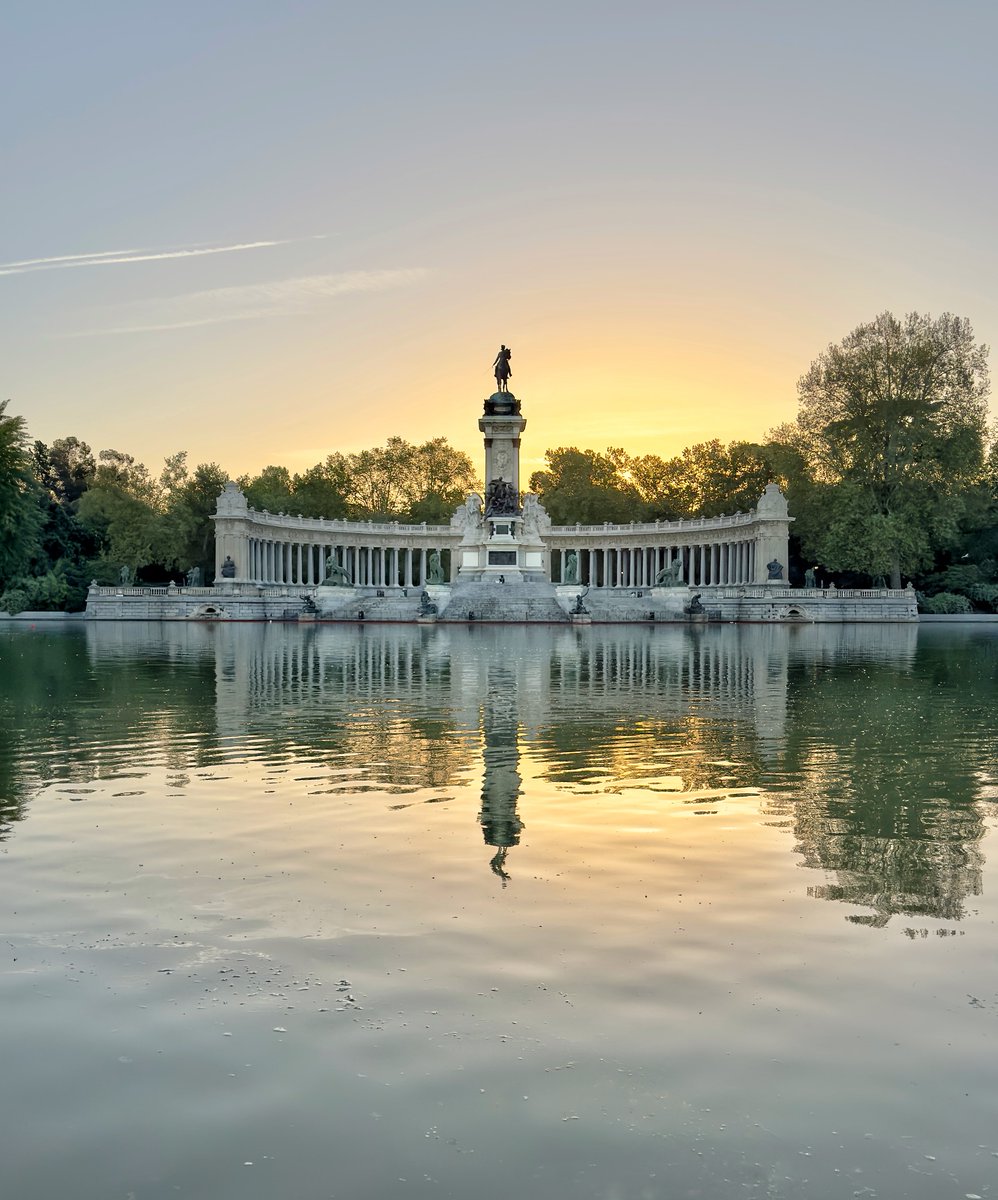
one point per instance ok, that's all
(501, 824)
(826, 712)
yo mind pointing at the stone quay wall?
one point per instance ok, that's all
(494, 601)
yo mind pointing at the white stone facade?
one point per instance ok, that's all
(478, 544)
(500, 558)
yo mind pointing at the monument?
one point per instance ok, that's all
(506, 538)
(500, 558)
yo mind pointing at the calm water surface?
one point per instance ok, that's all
(398, 912)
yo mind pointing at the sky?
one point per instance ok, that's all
(266, 232)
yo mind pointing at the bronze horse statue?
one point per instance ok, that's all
(502, 369)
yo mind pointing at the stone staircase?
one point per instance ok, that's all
(516, 603)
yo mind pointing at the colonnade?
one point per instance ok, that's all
(703, 564)
(300, 563)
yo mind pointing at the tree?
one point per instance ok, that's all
(21, 515)
(587, 488)
(322, 490)
(403, 482)
(707, 479)
(188, 531)
(123, 507)
(270, 491)
(892, 421)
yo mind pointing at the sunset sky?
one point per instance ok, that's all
(262, 232)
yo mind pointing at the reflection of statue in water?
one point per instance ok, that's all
(775, 569)
(194, 577)
(571, 572)
(125, 577)
(810, 579)
(670, 576)
(434, 569)
(501, 369)
(501, 825)
(336, 576)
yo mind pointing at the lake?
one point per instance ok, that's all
(614, 912)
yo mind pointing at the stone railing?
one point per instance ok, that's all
(340, 525)
(655, 528)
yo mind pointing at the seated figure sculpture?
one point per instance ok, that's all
(670, 576)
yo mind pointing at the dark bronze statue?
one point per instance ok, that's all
(501, 499)
(501, 369)
(775, 569)
(228, 568)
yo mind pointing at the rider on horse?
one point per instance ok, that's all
(502, 368)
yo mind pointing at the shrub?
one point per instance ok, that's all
(13, 601)
(946, 602)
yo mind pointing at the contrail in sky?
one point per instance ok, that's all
(250, 302)
(105, 258)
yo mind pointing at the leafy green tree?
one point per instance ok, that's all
(892, 422)
(322, 490)
(21, 515)
(587, 488)
(709, 479)
(123, 508)
(72, 467)
(188, 538)
(403, 482)
(270, 491)
(438, 481)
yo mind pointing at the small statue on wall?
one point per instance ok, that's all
(775, 569)
(434, 568)
(228, 568)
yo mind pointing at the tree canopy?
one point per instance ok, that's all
(888, 470)
(892, 425)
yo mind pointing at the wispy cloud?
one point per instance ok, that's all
(107, 258)
(250, 302)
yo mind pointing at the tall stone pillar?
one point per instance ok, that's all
(232, 534)
(772, 537)
(500, 552)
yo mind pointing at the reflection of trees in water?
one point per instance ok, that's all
(68, 714)
(878, 749)
(886, 778)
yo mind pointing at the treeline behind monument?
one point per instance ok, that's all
(889, 470)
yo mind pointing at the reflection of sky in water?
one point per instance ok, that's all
(497, 911)
(870, 745)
